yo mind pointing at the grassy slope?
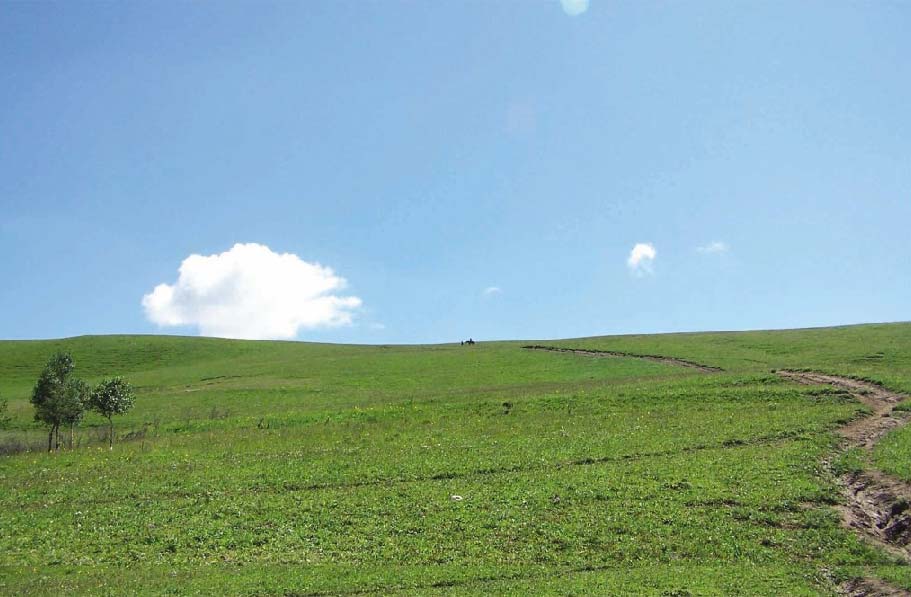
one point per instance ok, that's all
(881, 352)
(318, 468)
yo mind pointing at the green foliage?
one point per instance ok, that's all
(48, 392)
(58, 398)
(112, 397)
(74, 401)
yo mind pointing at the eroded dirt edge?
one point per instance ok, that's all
(877, 506)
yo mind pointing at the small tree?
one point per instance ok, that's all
(111, 397)
(74, 401)
(57, 397)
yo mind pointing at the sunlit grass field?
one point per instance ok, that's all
(306, 469)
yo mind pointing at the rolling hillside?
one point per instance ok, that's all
(311, 469)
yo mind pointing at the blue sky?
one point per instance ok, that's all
(428, 152)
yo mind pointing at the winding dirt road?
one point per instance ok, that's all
(877, 506)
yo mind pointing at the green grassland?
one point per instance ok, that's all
(311, 469)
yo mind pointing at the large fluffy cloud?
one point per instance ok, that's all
(251, 292)
(641, 258)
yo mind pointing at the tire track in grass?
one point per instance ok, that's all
(878, 506)
(771, 440)
(479, 581)
(588, 352)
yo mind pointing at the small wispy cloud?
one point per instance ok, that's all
(641, 258)
(574, 7)
(492, 291)
(713, 248)
(377, 327)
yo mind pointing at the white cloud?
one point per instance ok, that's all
(641, 258)
(377, 326)
(574, 7)
(715, 247)
(251, 292)
(492, 290)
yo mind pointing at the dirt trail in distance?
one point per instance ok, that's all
(864, 432)
(877, 506)
(613, 353)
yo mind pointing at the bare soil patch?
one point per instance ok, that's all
(871, 587)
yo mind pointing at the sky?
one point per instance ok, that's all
(384, 172)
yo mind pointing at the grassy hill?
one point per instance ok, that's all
(310, 469)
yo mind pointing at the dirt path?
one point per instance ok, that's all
(865, 432)
(871, 587)
(877, 506)
(614, 353)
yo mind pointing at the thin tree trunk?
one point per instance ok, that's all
(50, 439)
(110, 433)
(72, 435)
(56, 438)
